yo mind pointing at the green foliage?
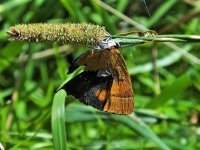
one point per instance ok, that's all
(58, 121)
(166, 108)
(82, 113)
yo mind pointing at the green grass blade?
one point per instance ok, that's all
(74, 9)
(80, 113)
(161, 12)
(72, 75)
(67, 6)
(178, 86)
(122, 5)
(58, 121)
(138, 125)
(11, 4)
(168, 60)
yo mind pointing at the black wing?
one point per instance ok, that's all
(90, 89)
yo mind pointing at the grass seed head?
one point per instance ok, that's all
(66, 33)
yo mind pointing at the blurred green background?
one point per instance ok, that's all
(165, 78)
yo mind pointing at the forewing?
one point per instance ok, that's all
(106, 62)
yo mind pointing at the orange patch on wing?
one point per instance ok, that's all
(101, 94)
(121, 98)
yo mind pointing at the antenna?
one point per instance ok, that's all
(147, 8)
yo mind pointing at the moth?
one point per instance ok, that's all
(105, 84)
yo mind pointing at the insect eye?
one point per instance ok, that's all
(117, 45)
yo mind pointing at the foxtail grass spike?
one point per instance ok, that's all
(66, 33)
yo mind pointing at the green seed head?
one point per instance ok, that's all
(69, 33)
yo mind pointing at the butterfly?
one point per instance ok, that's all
(105, 84)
